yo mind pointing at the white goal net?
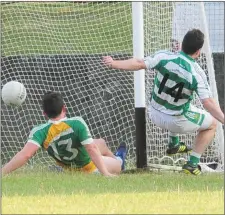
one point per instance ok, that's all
(58, 46)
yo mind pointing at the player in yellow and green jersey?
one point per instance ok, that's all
(69, 142)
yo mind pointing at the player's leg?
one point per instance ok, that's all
(175, 146)
(205, 135)
(170, 123)
(173, 139)
(113, 165)
(103, 148)
(193, 120)
(120, 154)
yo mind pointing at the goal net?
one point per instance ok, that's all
(58, 46)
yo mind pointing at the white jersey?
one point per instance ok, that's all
(177, 77)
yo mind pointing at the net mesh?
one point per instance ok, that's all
(59, 46)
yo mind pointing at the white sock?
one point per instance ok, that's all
(119, 159)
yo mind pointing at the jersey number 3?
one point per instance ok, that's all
(176, 94)
(70, 153)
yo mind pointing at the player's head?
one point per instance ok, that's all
(53, 104)
(193, 42)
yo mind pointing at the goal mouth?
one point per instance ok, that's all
(58, 46)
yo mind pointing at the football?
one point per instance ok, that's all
(14, 93)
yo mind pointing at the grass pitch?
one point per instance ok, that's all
(143, 193)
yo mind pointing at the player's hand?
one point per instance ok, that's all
(108, 61)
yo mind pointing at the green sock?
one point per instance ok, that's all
(194, 158)
(173, 141)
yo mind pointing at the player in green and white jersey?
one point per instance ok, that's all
(178, 77)
(69, 142)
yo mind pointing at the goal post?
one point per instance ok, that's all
(139, 84)
(59, 46)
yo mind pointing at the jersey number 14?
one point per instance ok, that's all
(176, 94)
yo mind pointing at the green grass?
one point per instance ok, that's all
(149, 193)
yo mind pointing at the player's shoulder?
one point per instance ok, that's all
(40, 127)
(75, 120)
(197, 70)
(164, 53)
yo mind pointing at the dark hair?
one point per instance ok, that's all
(52, 104)
(193, 41)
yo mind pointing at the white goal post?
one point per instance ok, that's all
(59, 46)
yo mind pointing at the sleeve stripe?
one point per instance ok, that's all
(88, 141)
(34, 142)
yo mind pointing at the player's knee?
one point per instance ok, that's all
(214, 124)
(102, 141)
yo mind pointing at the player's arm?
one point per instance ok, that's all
(92, 149)
(204, 93)
(34, 142)
(211, 105)
(132, 64)
(20, 158)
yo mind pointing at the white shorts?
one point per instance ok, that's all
(193, 120)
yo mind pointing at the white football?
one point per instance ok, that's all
(14, 93)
